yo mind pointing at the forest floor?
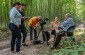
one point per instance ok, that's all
(42, 49)
(30, 50)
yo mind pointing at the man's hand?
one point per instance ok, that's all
(34, 27)
(17, 25)
(52, 29)
(23, 18)
(59, 28)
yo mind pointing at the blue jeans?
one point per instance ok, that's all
(16, 37)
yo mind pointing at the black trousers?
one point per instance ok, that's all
(45, 35)
(59, 36)
(16, 37)
(53, 32)
(31, 33)
(24, 32)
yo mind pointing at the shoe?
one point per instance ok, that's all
(12, 52)
(19, 53)
(46, 43)
(42, 42)
(52, 48)
(30, 41)
(24, 44)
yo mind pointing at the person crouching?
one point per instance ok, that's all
(32, 26)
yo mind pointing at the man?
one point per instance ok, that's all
(32, 26)
(68, 27)
(22, 27)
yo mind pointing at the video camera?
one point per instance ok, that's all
(43, 22)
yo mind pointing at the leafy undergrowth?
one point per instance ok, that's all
(70, 46)
(71, 50)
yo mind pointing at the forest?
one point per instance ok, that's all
(47, 9)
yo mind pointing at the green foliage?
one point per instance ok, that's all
(71, 50)
(46, 8)
(71, 46)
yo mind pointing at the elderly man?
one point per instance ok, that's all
(67, 28)
(32, 26)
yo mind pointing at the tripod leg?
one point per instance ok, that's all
(38, 34)
(35, 34)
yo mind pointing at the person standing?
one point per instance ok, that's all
(22, 26)
(32, 26)
(14, 25)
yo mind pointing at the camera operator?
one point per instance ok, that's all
(32, 26)
(68, 23)
(45, 33)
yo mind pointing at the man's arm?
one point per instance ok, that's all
(66, 24)
(31, 24)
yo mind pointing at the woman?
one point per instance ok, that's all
(15, 22)
(54, 26)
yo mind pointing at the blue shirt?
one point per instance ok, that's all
(68, 23)
(15, 16)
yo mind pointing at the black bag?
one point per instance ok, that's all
(37, 42)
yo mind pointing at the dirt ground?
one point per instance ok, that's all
(30, 50)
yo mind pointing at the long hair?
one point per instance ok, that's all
(16, 3)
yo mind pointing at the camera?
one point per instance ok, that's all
(43, 22)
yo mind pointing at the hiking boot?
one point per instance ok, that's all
(52, 47)
(24, 44)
